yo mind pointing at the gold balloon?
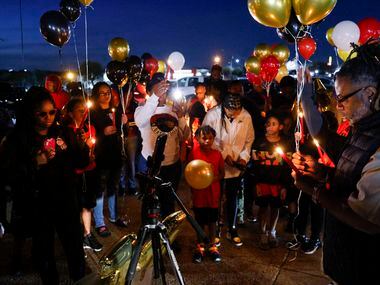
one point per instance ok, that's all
(252, 65)
(343, 54)
(199, 174)
(271, 13)
(86, 2)
(282, 71)
(329, 36)
(311, 11)
(161, 66)
(282, 52)
(118, 49)
(262, 50)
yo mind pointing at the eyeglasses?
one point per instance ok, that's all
(340, 98)
(45, 114)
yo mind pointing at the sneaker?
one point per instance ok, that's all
(217, 241)
(214, 253)
(119, 223)
(234, 238)
(252, 219)
(103, 231)
(297, 242)
(199, 253)
(264, 241)
(90, 242)
(311, 246)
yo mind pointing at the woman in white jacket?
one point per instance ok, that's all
(234, 138)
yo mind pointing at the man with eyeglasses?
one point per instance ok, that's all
(352, 227)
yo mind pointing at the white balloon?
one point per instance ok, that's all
(345, 33)
(176, 60)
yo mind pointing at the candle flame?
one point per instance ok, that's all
(316, 142)
(279, 150)
(93, 140)
(89, 104)
(300, 114)
(113, 110)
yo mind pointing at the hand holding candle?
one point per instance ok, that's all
(287, 160)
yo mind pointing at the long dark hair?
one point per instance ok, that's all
(95, 92)
(24, 131)
(25, 115)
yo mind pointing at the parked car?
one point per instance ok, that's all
(184, 86)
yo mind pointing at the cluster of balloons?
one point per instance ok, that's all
(55, 25)
(267, 63)
(276, 13)
(347, 32)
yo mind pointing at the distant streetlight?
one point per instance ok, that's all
(70, 76)
(217, 59)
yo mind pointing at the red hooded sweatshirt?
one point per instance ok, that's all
(60, 97)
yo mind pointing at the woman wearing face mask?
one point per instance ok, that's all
(37, 160)
(234, 137)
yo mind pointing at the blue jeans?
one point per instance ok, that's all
(128, 171)
(108, 182)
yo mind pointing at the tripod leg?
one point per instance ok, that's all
(189, 218)
(136, 255)
(173, 260)
(158, 263)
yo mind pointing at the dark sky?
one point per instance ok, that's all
(197, 28)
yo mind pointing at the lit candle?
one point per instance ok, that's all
(300, 114)
(320, 152)
(113, 117)
(287, 160)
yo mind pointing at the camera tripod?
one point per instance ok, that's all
(154, 229)
(151, 225)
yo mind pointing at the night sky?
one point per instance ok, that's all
(197, 28)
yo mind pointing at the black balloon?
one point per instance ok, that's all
(293, 30)
(145, 77)
(146, 55)
(71, 9)
(117, 72)
(134, 67)
(55, 28)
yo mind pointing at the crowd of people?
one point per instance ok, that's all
(61, 160)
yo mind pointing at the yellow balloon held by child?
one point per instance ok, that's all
(199, 174)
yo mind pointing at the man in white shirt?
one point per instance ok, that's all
(234, 138)
(154, 107)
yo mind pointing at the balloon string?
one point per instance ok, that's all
(78, 64)
(128, 96)
(22, 36)
(60, 57)
(336, 57)
(122, 129)
(86, 44)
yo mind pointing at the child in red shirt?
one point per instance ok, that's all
(206, 201)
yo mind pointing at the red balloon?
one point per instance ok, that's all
(151, 65)
(269, 68)
(307, 47)
(253, 78)
(369, 28)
